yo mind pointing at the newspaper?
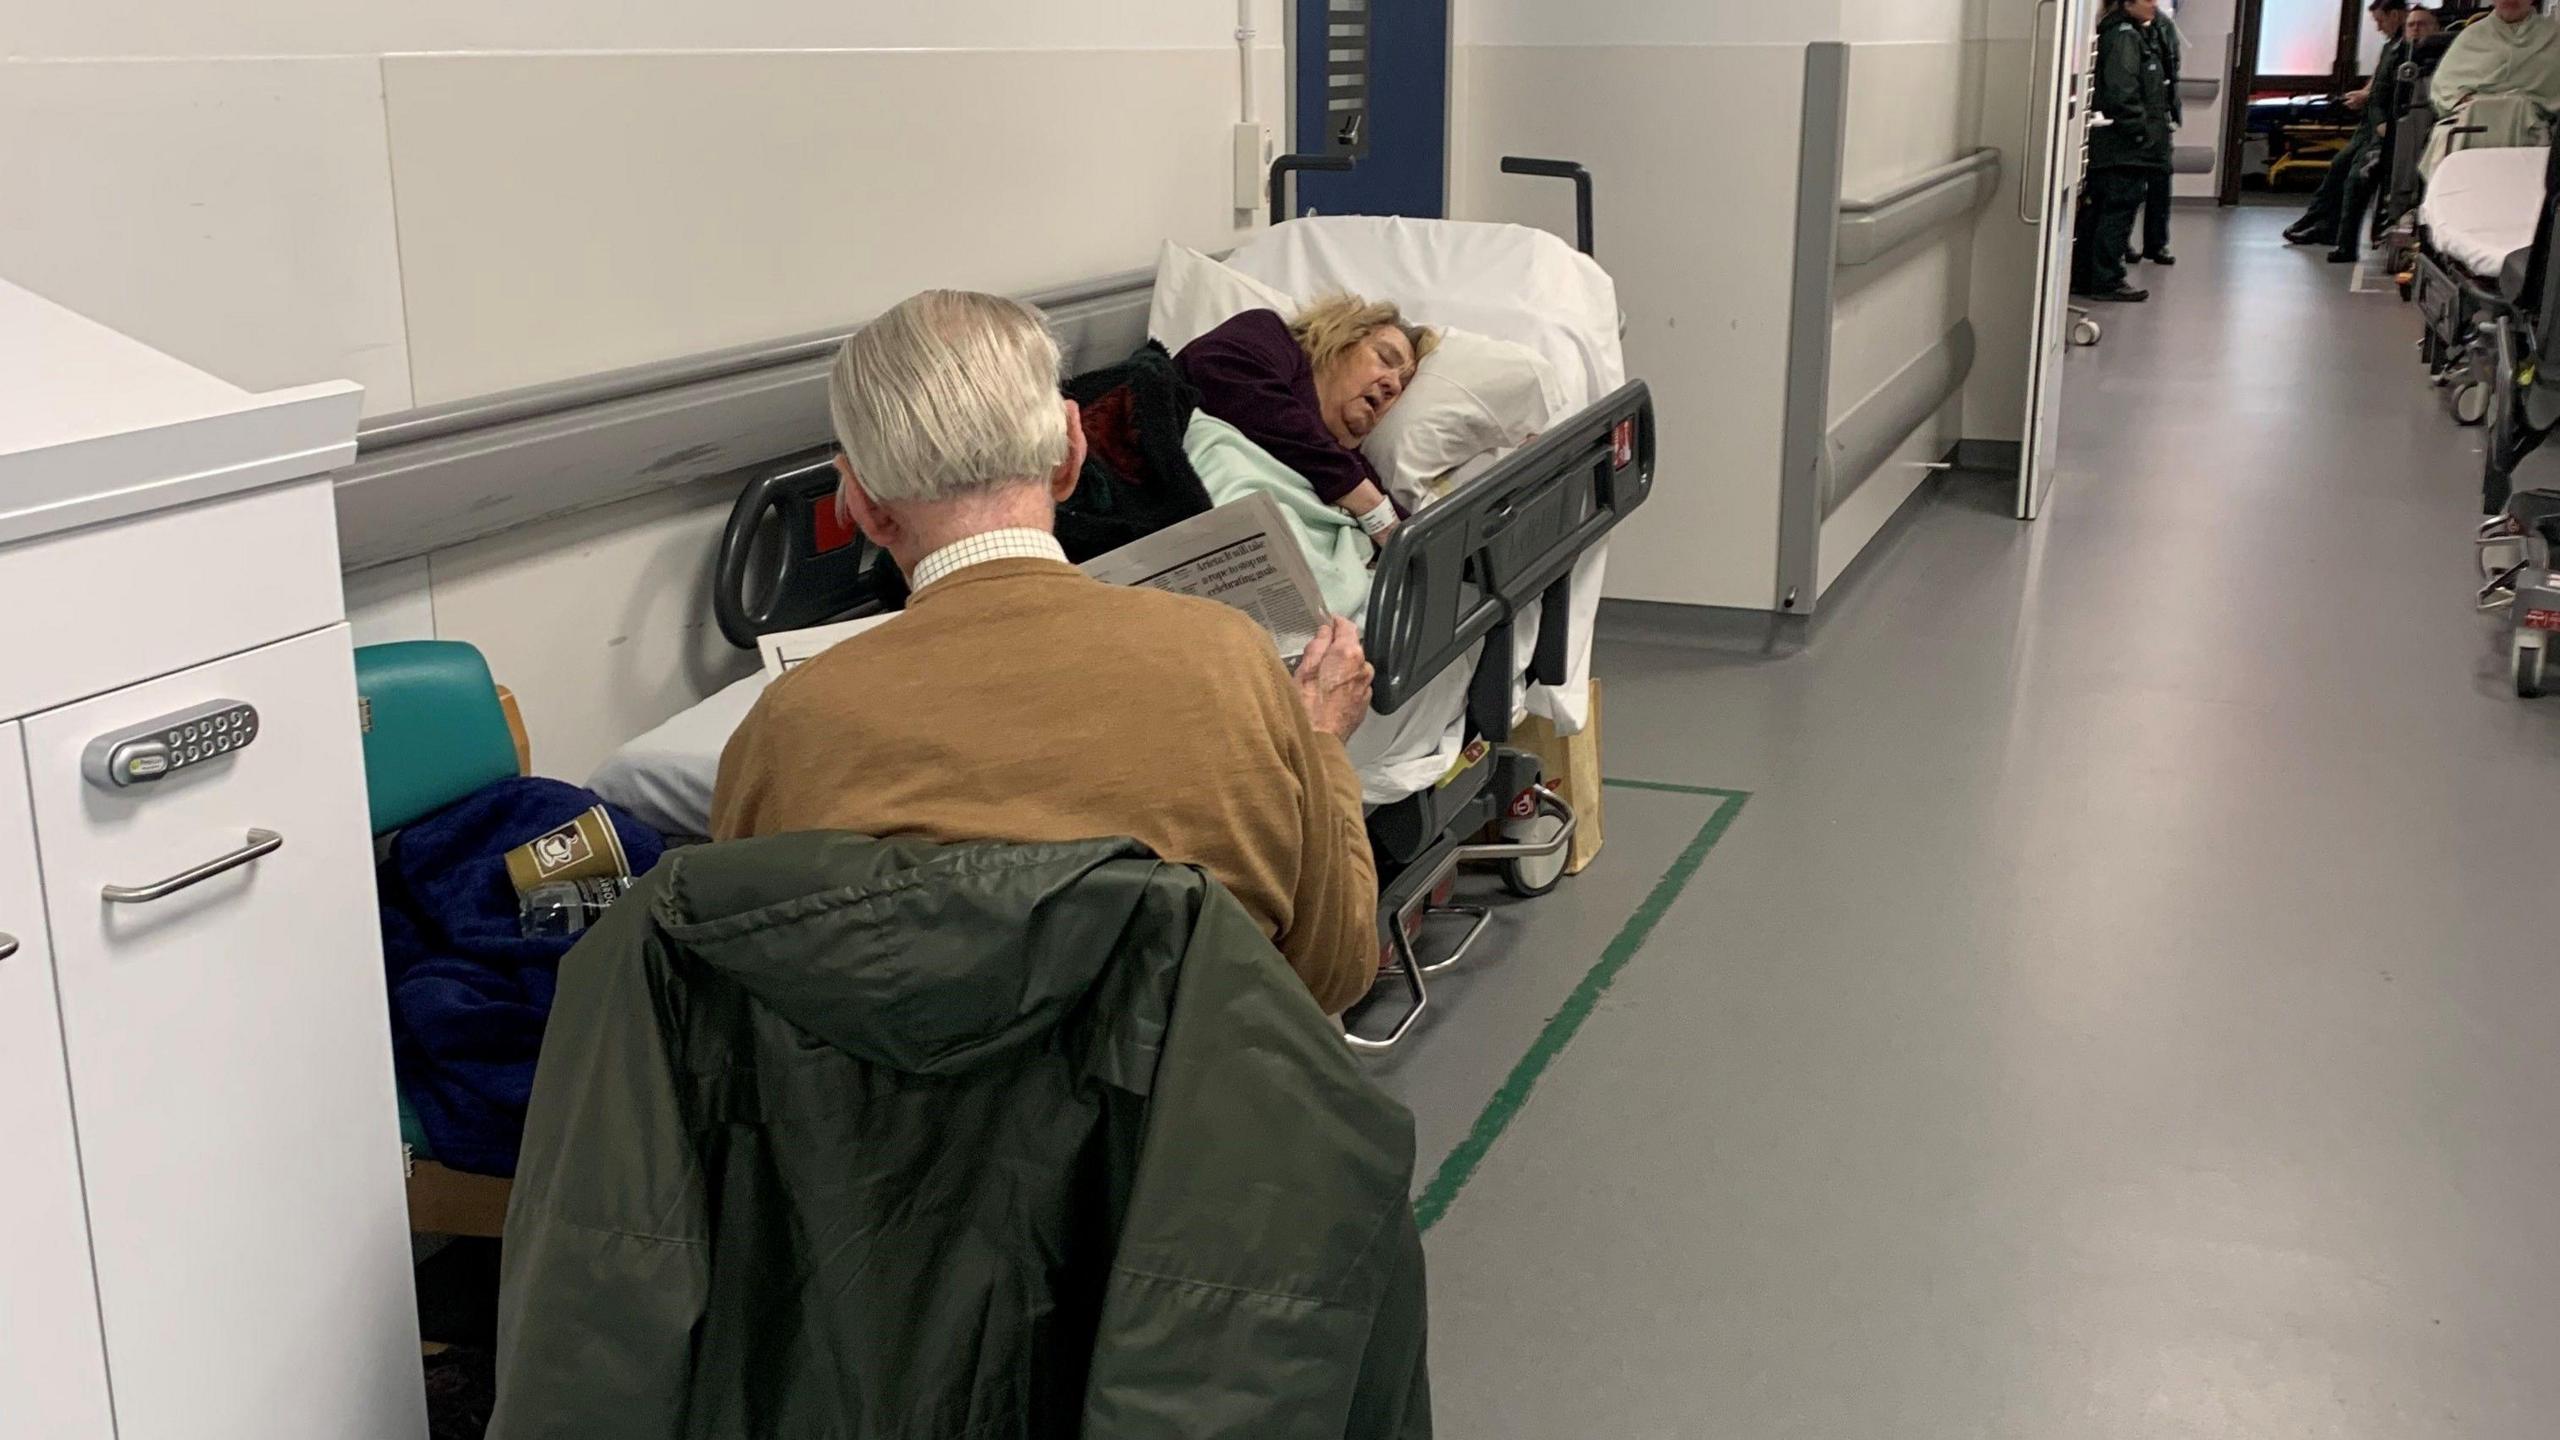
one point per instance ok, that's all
(787, 650)
(1240, 554)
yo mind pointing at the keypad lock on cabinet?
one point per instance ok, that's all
(147, 754)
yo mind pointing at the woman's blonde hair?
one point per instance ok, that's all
(1336, 324)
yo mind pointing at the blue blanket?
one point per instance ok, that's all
(469, 994)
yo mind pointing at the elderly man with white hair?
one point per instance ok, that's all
(1018, 700)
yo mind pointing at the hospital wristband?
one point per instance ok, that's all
(1380, 519)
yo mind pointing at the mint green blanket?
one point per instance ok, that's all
(1233, 467)
(2500, 76)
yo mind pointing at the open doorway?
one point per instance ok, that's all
(2294, 61)
(2288, 123)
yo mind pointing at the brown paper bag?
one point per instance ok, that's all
(1572, 764)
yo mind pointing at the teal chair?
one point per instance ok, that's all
(436, 727)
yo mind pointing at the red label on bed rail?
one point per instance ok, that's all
(834, 530)
(1624, 437)
(2542, 619)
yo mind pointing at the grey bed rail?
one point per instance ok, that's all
(1277, 186)
(430, 478)
(1579, 175)
(1867, 436)
(1461, 570)
(1871, 229)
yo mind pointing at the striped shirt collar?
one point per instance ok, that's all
(1013, 544)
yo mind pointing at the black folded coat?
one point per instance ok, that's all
(1137, 479)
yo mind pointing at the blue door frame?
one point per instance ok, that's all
(1402, 164)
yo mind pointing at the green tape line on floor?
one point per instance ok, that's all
(1558, 1032)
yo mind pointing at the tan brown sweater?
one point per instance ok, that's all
(1018, 700)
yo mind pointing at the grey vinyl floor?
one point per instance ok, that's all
(2126, 1006)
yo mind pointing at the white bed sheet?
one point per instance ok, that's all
(665, 777)
(1507, 281)
(2483, 205)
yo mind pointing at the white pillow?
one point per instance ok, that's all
(1472, 396)
(1195, 295)
(666, 776)
(1506, 281)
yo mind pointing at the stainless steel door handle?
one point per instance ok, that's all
(8, 946)
(262, 843)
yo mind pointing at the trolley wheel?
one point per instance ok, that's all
(2524, 662)
(2471, 402)
(2086, 332)
(1530, 879)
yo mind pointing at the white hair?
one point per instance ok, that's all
(950, 392)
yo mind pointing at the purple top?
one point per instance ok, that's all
(1251, 373)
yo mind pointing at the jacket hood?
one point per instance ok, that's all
(924, 958)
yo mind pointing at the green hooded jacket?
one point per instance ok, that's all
(2132, 92)
(2166, 42)
(884, 1140)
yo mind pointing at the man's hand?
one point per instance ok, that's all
(1333, 679)
(2356, 99)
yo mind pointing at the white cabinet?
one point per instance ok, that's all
(53, 1380)
(229, 1065)
(203, 1231)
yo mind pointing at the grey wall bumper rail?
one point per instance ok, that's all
(1871, 229)
(426, 479)
(1867, 436)
(1822, 463)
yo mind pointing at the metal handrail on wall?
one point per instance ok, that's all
(533, 402)
(1821, 463)
(430, 478)
(1872, 229)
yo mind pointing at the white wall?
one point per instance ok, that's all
(599, 622)
(1689, 115)
(160, 28)
(770, 202)
(1625, 23)
(444, 200)
(1686, 114)
(235, 213)
(1884, 22)
(449, 199)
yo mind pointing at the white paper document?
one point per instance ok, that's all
(786, 650)
(1240, 554)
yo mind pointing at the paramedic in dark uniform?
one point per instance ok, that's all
(2337, 211)
(2132, 96)
(2165, 41)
